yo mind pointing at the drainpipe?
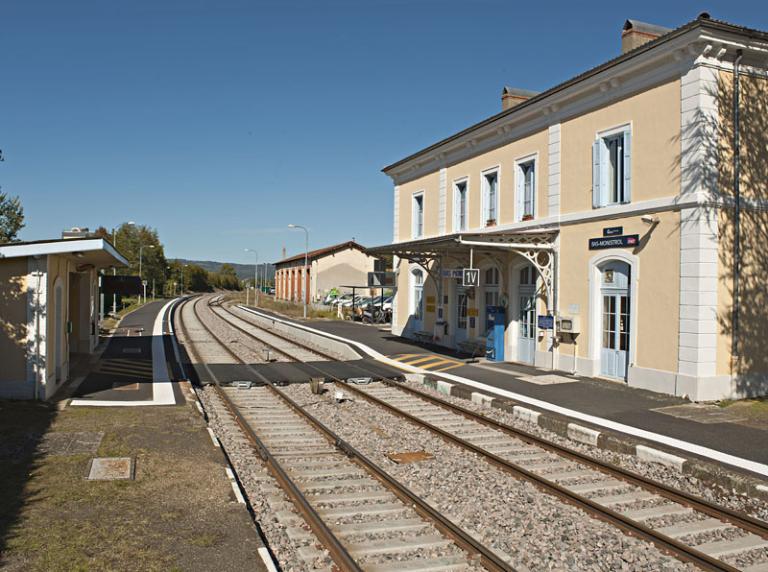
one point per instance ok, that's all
(38, 273)
(735, 349)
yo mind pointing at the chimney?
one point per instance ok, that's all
(512, 96)
(635, 34)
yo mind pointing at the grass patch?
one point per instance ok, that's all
(290, 309)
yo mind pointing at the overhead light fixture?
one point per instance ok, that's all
(648, 219)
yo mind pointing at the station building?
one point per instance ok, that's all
(49, 299)
(601, 217)
(331, 267)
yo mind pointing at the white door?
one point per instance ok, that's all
(461, 314)
(417, 300)
(615, 302)
(526, 318)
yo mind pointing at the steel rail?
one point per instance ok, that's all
(674, 546)
(338, 553)
(736, 518)
(463, 540)
(666, 543)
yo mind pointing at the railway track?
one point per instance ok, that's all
(673, 520)
(364, 519)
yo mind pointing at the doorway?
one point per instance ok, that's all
(461, 299)
(526, 317)
(615, 320)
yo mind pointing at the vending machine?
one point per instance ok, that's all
(494, 340)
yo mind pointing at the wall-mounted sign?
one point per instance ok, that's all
(452, 273)
(546, 322)
(430, 309)
(472, 312)
(614, 241)
(431, 300)
(471, 277)
(613, 231)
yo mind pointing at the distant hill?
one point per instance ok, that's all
(243, 271)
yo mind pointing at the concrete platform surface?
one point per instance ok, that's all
(125, 371)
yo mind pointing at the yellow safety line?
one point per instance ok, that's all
(421, 360)
(444, 361)
(401, 356)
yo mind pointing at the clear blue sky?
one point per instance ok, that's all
(220, 122)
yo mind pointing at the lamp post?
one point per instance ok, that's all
(255, 276)
(306, 263)
(141, 252)
(114, 270)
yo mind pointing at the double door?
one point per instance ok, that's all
(616, 304)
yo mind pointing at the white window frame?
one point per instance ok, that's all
(456, 216)
(414, 223)
(416, 310)
(484, 190)
(600, 160)
(519, 188)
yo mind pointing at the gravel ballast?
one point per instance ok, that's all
(535, 530)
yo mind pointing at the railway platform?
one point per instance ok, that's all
(705, 430)
(135, 368)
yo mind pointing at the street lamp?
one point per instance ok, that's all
(114, 270)
(141, 252)
(255, 276)
(306, 263)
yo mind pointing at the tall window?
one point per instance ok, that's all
(417, 294)
(460, 206)
(491, 284)
(418, 215)
(490, 197)
(526, 190)
(611, 169)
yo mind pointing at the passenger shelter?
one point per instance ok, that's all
(49, 302)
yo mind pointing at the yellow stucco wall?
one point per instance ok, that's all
(658, 286)
(430, 185)
(654, 116)
(753, 307)
(13, 319)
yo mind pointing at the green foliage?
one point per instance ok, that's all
(11, 218)
(138, 241)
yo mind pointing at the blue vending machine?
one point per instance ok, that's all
(494, 340)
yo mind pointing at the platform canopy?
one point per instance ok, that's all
(96, 252)
(537, 246)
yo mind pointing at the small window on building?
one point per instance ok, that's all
(611, 169)
(418, 215)
(490, 197)
(460, 206)
(526, 190)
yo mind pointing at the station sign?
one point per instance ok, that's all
(453, 273)
(614, 241)
(546, 322)
(613, 231)
(471, 277)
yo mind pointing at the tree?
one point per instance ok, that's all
(11, 218)
(142, 247)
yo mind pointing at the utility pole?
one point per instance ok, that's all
(305, 280)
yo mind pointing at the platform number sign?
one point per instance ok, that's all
(470, 277)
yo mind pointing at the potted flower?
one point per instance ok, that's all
(490, 222)
(527, 217)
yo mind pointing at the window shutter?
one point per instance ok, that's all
(627, 167)
(533, 188)
(519, 193)
(597, 199)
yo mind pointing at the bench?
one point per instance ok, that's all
(474, 347)
(423, 336)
